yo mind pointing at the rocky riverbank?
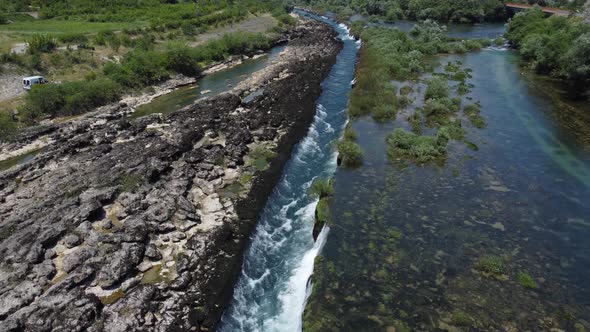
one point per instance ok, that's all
(121, 224)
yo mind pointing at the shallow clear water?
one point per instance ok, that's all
(271, 291)
(17, 160)
(215, 83)
(406, 242)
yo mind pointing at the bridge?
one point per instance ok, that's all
(548, 10)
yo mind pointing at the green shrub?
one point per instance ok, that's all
(41, 43)
(69, 98)
(404, 144)
(350, 154)
(182, 59)
(438, 87)
(322, 188)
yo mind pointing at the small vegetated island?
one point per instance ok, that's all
(423, 224)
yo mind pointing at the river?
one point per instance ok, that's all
(271, 291)
(494, 239)
(210, 85)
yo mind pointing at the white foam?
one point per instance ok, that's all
(293, 297)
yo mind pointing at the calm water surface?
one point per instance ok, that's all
(404, 248)
(215, 83)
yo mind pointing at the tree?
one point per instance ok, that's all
(577, 60)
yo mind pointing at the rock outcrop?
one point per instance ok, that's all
(123, 225)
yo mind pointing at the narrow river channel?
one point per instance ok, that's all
(271, 291)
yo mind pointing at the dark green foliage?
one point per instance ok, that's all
(41, 43)
(182, 59)
(421, 149)
(69, 98)
(556, 45)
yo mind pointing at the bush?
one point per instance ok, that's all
(322, 188)
(41, 43)
(182, 59)
(421, 149)
(69, 98)
(437, 88)
(349, 154)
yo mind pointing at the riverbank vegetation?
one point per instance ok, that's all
(392, 10)
(323, 190)
(349, 152)
(556, 45)
(98, 52)
(391, 55)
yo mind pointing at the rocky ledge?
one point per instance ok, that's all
(121, 225)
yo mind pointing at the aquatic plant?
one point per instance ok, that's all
(461, 318)
(493, 265)
(349, 154)
(418, 148)
(349, 133)
(526, 281)
(441, 106)
(472, 111)
(437, 88)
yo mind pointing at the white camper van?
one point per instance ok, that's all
(28, 82)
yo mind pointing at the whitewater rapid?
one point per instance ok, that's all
(271, 292)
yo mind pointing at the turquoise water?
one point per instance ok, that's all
(410, 245)
(216, 83)
(271, 291)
